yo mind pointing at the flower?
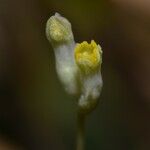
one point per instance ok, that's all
(59, 34)
(88, 56)
(78, 66)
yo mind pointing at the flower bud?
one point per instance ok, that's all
(59, 34)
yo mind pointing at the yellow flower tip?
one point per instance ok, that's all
(58, 29)
(88, 56)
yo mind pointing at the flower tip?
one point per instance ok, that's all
(58, 29)
(57, 14)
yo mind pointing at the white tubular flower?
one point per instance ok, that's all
(59, 33)
(88, 58)
(78, 65)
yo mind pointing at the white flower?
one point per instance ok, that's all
(88, 58)
(59, 33)
(78, 65)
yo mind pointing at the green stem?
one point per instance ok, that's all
(80, 131)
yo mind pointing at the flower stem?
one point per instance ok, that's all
(80, 131)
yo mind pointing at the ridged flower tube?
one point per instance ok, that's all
(88, 57)
(59, 33)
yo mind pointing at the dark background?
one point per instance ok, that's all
(36, 113)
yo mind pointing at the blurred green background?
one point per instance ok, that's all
(35, 111)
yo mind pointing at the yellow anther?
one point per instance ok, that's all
(88, 56)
